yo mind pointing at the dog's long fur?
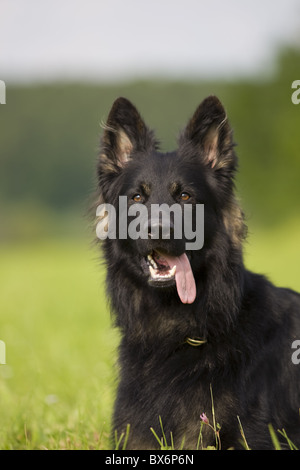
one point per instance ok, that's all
(248, 324)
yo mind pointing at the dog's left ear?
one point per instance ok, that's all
(210, 133)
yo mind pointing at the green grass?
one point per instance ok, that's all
(57, 389)
(275, 252)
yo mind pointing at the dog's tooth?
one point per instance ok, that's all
(152, 272)
(173, 271)
(157, 275)
(151, 261)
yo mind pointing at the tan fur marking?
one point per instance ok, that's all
(234, 223)
(125, 147)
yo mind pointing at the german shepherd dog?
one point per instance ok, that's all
(203, 340)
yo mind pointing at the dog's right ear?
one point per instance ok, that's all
(125, 134)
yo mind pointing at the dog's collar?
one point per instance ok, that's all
(195, 341)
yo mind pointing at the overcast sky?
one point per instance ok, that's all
(116, 39)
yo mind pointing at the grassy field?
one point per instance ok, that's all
(57, 389)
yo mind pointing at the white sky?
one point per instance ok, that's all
(116, 39)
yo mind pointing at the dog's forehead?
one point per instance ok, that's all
(160, 168)
(162, 162)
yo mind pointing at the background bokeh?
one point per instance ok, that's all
(63, 64)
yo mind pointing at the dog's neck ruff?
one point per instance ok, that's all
(195, 341)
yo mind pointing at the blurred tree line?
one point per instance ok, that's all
(49, 138)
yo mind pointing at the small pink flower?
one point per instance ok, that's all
(204, 418)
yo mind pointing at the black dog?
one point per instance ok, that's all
(207, 335)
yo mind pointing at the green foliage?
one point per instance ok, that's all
(121, 441)
(275, 439)
(163, 442)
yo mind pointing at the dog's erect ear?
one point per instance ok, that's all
(210, 132)
(124, 134)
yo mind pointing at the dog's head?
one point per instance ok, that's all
(156, 201)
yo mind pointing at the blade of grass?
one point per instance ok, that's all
(156, 437)
(118, 441)
(290, 443)
(126, 436)
(245, 443)
(274, 438)
(163, 432)
(200, 437)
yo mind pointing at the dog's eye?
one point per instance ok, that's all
(137, 198)
(184, 196)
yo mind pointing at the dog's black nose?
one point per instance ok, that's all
(160, 230)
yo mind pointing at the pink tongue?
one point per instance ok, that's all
(184, 277)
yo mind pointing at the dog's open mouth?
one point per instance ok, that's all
(165, 270)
